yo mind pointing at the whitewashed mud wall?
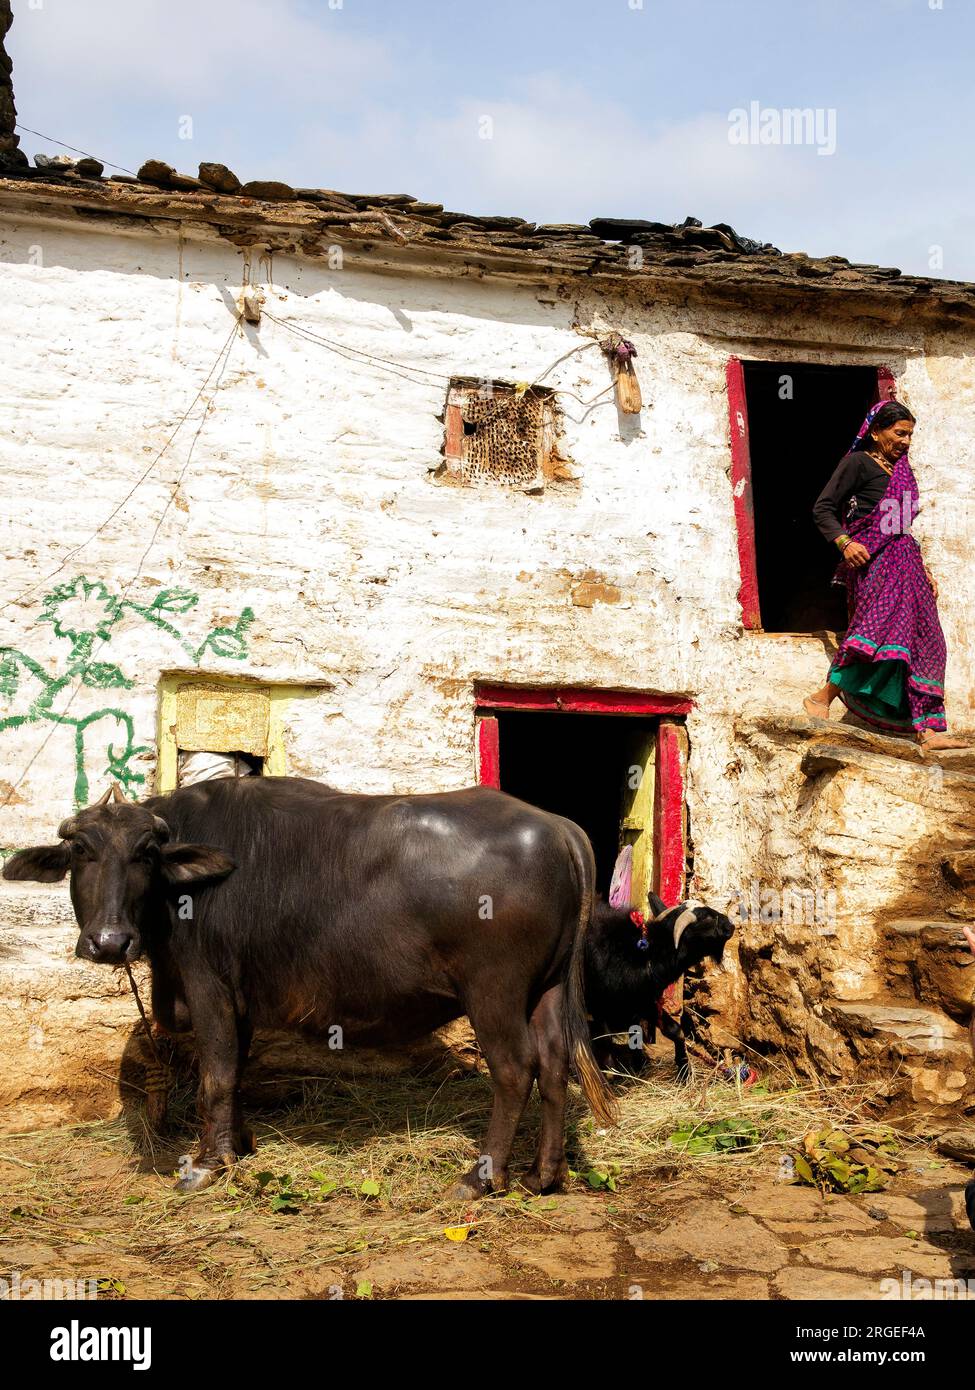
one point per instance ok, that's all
(310, 540)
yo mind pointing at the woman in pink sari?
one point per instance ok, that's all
(890, 667)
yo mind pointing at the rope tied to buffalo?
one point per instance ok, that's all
(158, 1070)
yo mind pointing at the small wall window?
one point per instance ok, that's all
(791, 423)
(500, 433)
(194, 766)
(225, 726)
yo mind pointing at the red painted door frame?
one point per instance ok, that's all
(741, 491)
(488, 752)
(670, 796)
(574, 699)
(741, 483)
(670, 812)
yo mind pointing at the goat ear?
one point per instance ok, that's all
(657, 905)
(42, 864)
(194, 863)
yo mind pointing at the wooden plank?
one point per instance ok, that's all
(578, 700)
(628, 394)
(637, 824)
(454, 438)
(741, 491)
(216, 718)
(670, 820)
(488, 752)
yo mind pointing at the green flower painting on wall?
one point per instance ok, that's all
(86, 615)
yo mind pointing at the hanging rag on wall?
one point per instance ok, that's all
(621, 353)
(622, 884)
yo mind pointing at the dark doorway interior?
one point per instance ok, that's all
(575, 765)
(795, 442)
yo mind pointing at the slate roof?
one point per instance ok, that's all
(719, 260)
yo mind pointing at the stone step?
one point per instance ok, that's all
(953, 759)
(932, 932)
(844, 735)
(959, 869)
(37, 922)
(923, 1055)
(905, 1028)
(929, 960)
(829, 755)
(834, 744)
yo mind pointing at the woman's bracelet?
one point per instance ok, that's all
(843, 540)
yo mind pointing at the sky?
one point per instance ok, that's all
(554, 110)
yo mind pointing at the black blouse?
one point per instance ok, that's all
(853, 491)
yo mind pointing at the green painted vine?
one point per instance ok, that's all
(85, 614)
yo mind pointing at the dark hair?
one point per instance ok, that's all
(887, 415)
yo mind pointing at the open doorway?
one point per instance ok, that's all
(801, 420)
(614, 761)
(595, 769)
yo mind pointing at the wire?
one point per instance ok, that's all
(45, 579)
(222, 360)
(27, 130)
(225, 354)
(360, 352)
(358, 356)
(402, 369)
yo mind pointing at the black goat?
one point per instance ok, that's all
(630, 962)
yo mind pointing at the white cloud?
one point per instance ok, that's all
(298, 92)
(192, 50)
(558, 155)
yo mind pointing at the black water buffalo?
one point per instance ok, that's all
(279, 902)
(630, 962)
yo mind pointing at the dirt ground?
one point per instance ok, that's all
(345, 1198)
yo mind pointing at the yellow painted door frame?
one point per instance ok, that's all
(279, 699)
(636, 819)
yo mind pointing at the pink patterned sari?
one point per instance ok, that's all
(890, 668)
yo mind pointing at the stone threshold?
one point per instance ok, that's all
(832, 746)
(848, 735)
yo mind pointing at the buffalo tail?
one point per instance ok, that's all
(575, 1020)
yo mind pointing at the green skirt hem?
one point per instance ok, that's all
(876, 689)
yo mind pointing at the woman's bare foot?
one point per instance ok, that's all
(929, 738)
(816, 709)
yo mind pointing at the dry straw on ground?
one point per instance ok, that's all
(362, 1163)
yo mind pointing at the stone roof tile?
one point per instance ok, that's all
(298, 217)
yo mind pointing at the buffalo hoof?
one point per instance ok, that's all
(246, 1143)
(194, 1178)
(472, 1187)
(539, 1183)
(465, 1191)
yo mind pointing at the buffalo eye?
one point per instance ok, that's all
(81, 852)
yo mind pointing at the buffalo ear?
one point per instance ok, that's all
(194, 863)
(42, 864)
